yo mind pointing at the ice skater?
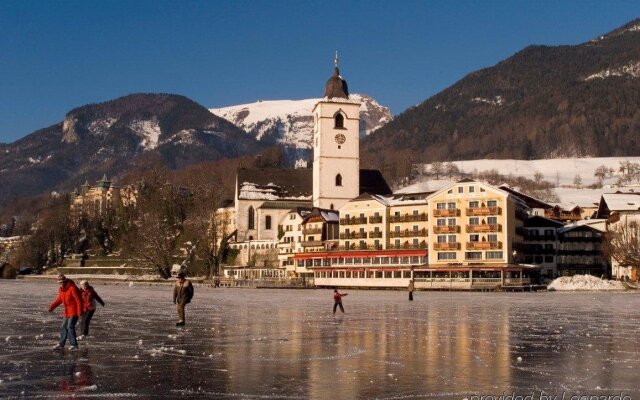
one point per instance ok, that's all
(337, 300)
(69, 296)
(411, 288)
(182, 295)
(89, 300)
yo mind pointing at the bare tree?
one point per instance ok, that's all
(538, 177)
(451, 169)
(623, 244)
(577, 181)
(437, 169)
(601, 172)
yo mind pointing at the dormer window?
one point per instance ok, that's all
(339, 121)
(338, 180)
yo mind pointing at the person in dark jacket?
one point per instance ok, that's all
(411, 288)
(182, 295)
(89, 300)
(69, 296)
(337, 300)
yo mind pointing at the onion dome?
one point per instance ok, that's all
(336, 86)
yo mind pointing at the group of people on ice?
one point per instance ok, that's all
(80, 303)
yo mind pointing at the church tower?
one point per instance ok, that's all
(336, 150)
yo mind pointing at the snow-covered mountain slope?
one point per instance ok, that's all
(290, 122)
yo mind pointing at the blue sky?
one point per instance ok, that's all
(55, 56)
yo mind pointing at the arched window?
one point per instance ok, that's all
(267, 222)
(251, 223)
(331, 206)
(339, 121)
(338, 180)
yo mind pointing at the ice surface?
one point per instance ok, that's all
(275, 344)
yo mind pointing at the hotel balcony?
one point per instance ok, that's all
(408, 246)
(312, 231)
(446, 229)
(446, 246)
(353, 221)
(312, 243)
(408, 233)
(446, 212)
(376, 219)
(479, 211)
(375, 234)
(408, 218)
(484, 245)
(353, 235)
(484, 228)
(358, 246)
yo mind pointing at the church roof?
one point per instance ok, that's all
(286, 205)
(336, 86)
(275, 184)
(372, 182)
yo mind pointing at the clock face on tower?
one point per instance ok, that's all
(340, 138)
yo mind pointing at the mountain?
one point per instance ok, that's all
(542, 102)
(290, 122)
(108, 137)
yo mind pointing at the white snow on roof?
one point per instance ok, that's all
(599, 224)
(249, 191)
(330, 216)
(622, 201)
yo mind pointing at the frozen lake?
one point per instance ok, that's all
(273, 344)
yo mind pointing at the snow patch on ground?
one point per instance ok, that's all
(584, 282)
(496, 101)
(630, 70)
(149, 130)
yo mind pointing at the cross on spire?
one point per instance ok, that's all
(336, 60)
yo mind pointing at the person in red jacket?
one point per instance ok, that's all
(69, 296)
(337, 300)
(89, 300)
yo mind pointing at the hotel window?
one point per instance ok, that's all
(341, 274)
(317, 262)
(442, 238)
(474, 238)
(441, 222)
(361, 274)
(492, 220)
(416, 241)
(441, 206)
(376, 243)
(548, 259)
(446, 256)
(362, 244)
(452, 238)
(267, 222)
(415, 212)
(492, 203)
(451, 205)
(369, 274)
(415, 260)
(376, 260)
(348, 260)
(357, 260)
(474, 204)
(460, 189)
(326, 262)
(348, 274)
(378, 274)
(366, 260)
(397, 243)
(473, 255)
(472, 189)
(347, 244)
(397, 228)
(394, 260)
(415, 228)
(361, 215)
(493, 255)
(388, 274)
(397, 274)
(451, 221)
(384, 260)
(396, 214)
(492, 237)
(474, 221)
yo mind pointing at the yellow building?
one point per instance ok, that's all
(101, 197)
